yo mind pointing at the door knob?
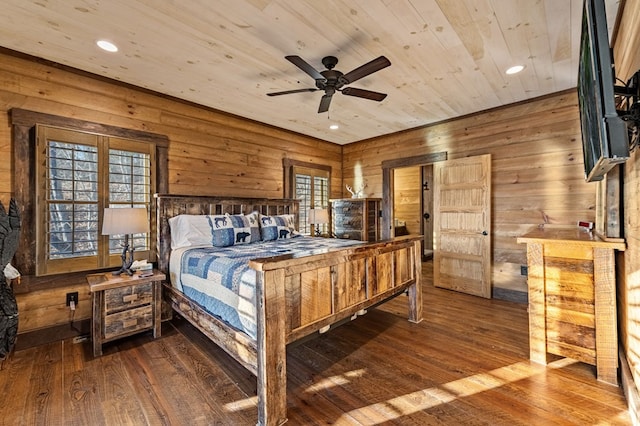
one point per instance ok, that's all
(426, 216)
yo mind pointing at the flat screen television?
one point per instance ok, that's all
(605, 140)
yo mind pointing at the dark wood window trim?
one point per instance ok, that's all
(288, 165)
(23, 127)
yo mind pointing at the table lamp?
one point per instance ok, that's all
(127, 220)
(318, 217)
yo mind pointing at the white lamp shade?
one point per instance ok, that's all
(129, 220)
(318, 216)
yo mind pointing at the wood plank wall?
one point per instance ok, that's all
(537, 175)
(407, 187)
(210, 153)
(626, 55)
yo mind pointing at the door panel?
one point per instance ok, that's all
(462, 221)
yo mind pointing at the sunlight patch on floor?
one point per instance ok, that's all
(431, 397)
(332, 381)
(425, 399)
(242, 404)
(326, 383)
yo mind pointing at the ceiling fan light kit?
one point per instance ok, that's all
(331, 80)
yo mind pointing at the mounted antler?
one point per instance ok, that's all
(358, 192)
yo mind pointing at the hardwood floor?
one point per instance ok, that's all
(465, 364)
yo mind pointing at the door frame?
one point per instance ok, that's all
(388, 166)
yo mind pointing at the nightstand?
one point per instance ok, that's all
(124, 305)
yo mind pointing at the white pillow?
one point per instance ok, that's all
(190, 230)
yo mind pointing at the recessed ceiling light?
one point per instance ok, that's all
(515, 69)
(107, 45)
(334, 127)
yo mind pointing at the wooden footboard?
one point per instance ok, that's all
(296, 296)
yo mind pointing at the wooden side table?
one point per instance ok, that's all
(124, 305)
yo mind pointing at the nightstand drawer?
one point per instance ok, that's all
(119, 299)
(128, 321)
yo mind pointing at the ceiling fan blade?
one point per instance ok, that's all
(362, 93)
(286, 92)
(364, 70)
(324, 103)
(304, 66)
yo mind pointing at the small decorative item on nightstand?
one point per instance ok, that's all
(124, 305)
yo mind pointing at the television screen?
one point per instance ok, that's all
(604, 134)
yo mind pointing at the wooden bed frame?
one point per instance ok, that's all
(297, 296)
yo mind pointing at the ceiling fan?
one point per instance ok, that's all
(331, 80)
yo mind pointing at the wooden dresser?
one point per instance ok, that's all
(356, 218)
(572, 298)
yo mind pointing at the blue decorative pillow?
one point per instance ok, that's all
(229, 230)
(277, 227)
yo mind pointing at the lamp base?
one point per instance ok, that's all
(123, 270)
(127, 260)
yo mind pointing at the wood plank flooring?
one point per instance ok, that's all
(465, 364)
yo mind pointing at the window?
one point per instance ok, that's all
(79, 175)
(311, 185)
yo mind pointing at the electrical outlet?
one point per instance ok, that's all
(524, 270)
(72, 296)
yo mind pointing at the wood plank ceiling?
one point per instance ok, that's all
(448, 56)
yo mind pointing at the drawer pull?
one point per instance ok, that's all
(129, 298)
(128, 323)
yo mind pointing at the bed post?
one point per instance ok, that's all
(272, 352)
(415, 290)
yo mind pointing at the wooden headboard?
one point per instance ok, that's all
(169, 206)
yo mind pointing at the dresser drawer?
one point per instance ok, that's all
(351, 235)
(128, 321)
(348, 207)
(349, 222)
(127, 297)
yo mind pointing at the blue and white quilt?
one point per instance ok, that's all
(221, 281)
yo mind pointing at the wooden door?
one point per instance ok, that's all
(461, 221)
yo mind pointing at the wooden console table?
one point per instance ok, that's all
(572, 298)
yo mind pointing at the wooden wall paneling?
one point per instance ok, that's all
(627, 59)
(39, 309)
(407, 197)
(537, 172)
(209, 152)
